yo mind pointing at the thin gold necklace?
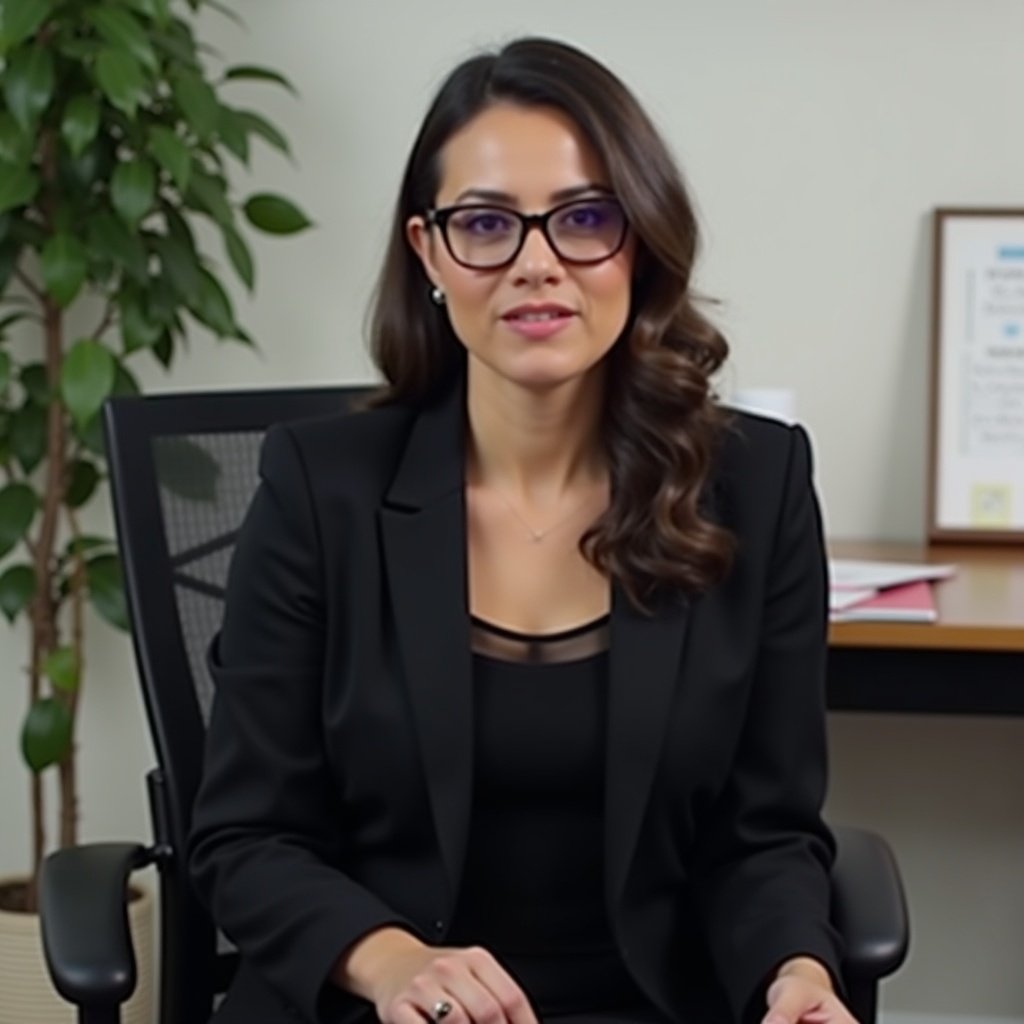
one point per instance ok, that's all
(538, 535)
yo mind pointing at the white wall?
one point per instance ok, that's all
(817, 135)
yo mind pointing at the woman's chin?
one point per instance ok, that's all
(542, 371)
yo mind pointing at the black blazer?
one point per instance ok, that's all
(339, 763)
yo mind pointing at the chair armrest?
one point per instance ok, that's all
(868, 905)
(83, 910)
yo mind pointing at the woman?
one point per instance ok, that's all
(519, 704)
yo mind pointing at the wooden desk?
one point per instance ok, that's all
(969, 662)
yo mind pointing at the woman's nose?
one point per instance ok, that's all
(536, 259)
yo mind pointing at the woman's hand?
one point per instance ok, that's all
(407, 981)
(802, 993)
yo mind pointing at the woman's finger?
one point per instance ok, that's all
(515, 1006)
(403, 1012)
(467, 991)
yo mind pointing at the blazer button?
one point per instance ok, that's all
(439, 926)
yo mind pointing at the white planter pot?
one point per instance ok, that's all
(26, 994)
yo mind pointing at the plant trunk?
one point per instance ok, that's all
(38, 843)
(68, 766)
(44, 633)
(44, 604)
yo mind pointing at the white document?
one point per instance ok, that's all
(856, 574)
(838, 599)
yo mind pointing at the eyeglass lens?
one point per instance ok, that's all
(585, 231)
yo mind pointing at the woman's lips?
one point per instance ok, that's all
(538, 322)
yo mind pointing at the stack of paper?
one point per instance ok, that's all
(863, 591)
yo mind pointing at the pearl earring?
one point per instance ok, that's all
(437, 296)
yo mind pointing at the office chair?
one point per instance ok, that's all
(183, 469)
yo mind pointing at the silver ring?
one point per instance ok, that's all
(441, 1009)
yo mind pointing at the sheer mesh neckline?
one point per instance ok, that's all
(576, 644)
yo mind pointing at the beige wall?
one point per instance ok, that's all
(817, 135)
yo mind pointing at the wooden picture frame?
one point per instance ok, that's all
(976, 476)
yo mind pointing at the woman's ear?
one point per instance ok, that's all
(421, 241)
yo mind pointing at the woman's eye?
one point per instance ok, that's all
(487, 223)
(585, 217)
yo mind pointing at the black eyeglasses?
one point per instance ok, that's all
(488, 237)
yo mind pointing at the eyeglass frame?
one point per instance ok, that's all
(438, 217)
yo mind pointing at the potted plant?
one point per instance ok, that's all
(114, 140)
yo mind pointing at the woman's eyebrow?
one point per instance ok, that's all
(489, 195)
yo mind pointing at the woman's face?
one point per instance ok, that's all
(538, 322)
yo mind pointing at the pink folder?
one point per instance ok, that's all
(911, 602)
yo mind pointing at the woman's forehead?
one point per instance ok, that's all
(527, 153)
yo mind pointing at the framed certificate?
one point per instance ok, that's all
(977, 377)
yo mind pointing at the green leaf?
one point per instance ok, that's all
(106, 591)
(82, 51)
(137, 330)
(179, 264)
(84, 543)
(64, 262)
(258, 74)
(178, 47)
(186, 469)
(132, 190)
(234, 133)
(81, 482)
(20, 19)
(17, 509)
(10, 250)
(17, 588)
(240, 256)
(163, 350)
(122, 29)
(5, 371)
(161, 300)
(18, 186)
(34, 382)
(15, 145)
(225, 10)
(84, 171)
(28, 232)
(212, 306)
(178, 227)
(256, 124)
(90, 435)
(172, 154)
(28, 83)
(124, 382)
(87, 375)
(46, 734)
(122, 80)
(158, 10)
(275, 215)
(208, 193)
(11, 319)
(80, 123)
(62, 669)
(110, 239)
(28, 436)
(197, 101)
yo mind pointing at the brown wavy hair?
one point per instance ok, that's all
(661, 424)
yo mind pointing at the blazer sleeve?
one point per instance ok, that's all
(265, 837)
(765, 854)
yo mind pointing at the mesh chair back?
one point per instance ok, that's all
(183, 469)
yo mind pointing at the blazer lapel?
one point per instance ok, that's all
(423, 530)
(644, 661)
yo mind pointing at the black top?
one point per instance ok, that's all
(533, 885)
